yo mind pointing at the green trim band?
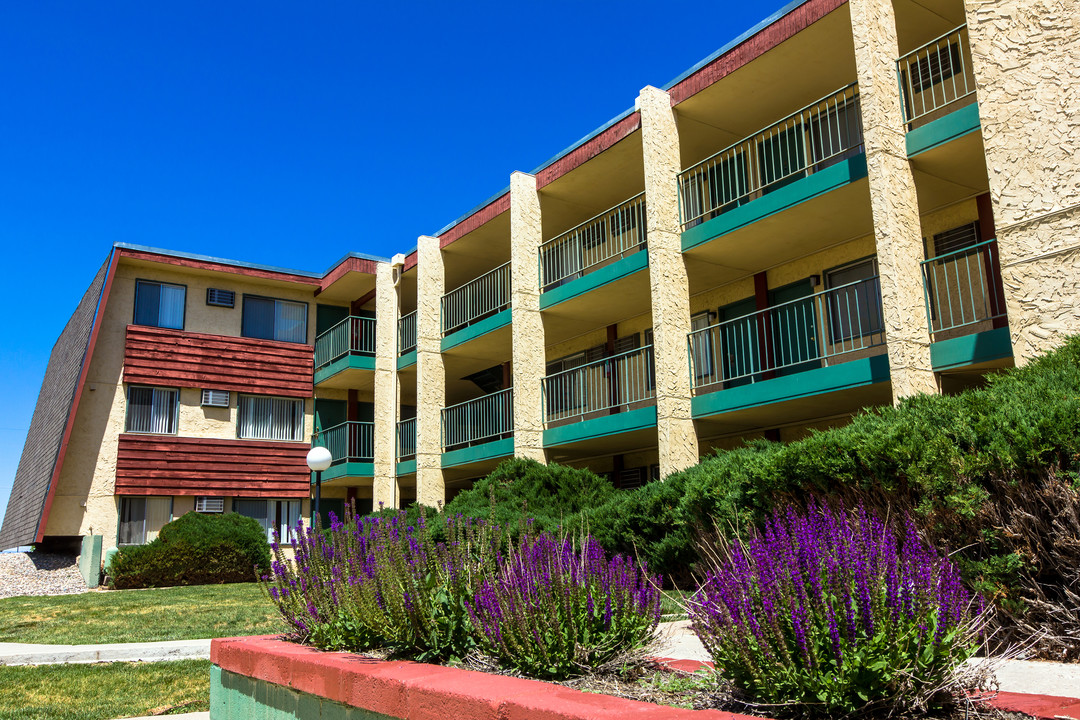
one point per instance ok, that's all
(476, 453)
(471, 332)
(601, 427)
(943, 130)
(586, 283)
(970, 349)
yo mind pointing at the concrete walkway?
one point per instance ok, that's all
(33, 654)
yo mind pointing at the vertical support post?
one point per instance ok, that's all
(527, 332)
(893, 202)
(430, 373)
(676, 438)
(384, 485)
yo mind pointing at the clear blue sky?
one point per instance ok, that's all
(288, 133)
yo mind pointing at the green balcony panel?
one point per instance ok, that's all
(971, 349)
(406, 360)
(405, 467)
(608, 274)
(623, 422)
(348, 362)
(471, 332)
(347, 469)
(478, 453)
(945, 129)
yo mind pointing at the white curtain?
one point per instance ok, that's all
(290, 321)
(151, 410)
(270, 418)
(158, 513)
(171, 310)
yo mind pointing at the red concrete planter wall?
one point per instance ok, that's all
(418, 691)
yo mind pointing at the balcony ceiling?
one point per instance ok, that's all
(950, 173)
(920, 21)
(351, 286)
(480, 251)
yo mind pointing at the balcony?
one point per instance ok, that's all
(603, 398)
(406, 447)
(478, 300)
(965, 307)
(352, 446)
(936, 79)
(345, 354)
(478, 429)
(406, 340)
(592, 253)
(827, 341)
(790, 162)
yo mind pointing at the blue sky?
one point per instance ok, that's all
(288, 133)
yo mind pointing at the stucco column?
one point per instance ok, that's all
(676, 437)
(430, 373)
(526, 234)
(1026, 61)
(384, 486)
(893, 202)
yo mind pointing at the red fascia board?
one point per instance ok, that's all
(217, 267)
(588, 150)
(754, 47)
(352, 264)
(482, 216)
(87, 359)
(410, 261)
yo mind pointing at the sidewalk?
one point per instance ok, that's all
(33, 654)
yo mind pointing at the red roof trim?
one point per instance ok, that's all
(588, 150)
(217, 267)
(351, 264)
(410, 261)
(58, 466)
(482, 216)
(754, 47)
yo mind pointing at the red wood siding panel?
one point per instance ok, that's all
(157, 356)
(588, 150)
(489, 212)
(218, 266)
(753, 47)
(166, 465)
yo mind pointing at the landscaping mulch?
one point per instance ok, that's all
(39, 574)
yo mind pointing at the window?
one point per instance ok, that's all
(956, 239)
(855, 310)
(159, 304)
(702, 346)
(141, 518)
(273, 515)
(270, 418)
(270, 319)
(152, 410)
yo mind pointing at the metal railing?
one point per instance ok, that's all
(936, 75)
(351, 335)
(807, 332)
(406, 333)
(963, 288)
(614, 233)
(406, 439)
(479, 420)
(619, 381)
(348, 442)
(805, 142)
(476, 299)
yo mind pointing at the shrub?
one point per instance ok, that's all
(554, 609)
(195, 549)
(835, 611)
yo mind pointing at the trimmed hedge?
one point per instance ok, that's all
(195, 549)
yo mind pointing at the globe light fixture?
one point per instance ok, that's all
(318, 459)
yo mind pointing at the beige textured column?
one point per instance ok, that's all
(430, 373)
(894, 205)
(384, 486)
(676, 437)
(1026, 60)
(526, 234)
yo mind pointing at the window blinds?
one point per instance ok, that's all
(270, 418)
(151, 410)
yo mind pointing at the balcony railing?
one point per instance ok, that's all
(406, 329)
(406, 439)
(480, 420)
(620, 381)
(805, 142)
(353, 335)
(612, 234)
(476, 299)
(935, 76)
(963, 288)
(348, 442)
(799, 335)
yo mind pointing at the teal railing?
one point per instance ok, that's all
(935, 76)
(406, 329)
(613, 234)
(353, 335)
(476, 299)
(406, 439)
(479, 420)
(348, 442)
(620, 381)
(963, 288)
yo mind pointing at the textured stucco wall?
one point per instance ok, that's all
(527, 331)
(1026, 60)
(384, 484)
(676, 437)
(893, 200)
(89, 469)
(430, 373)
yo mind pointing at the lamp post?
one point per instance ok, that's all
(318, 459)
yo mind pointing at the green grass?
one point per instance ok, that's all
(673, 604)
(114, 616)
(103, 691)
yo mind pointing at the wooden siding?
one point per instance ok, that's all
(166, 465)
(157, 356)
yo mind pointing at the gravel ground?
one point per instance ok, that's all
(39, 574)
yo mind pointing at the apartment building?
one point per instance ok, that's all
(852, 203)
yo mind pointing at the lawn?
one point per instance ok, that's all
(104, 691)
(115, 616)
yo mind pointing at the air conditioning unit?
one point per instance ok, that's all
(209, 504)
(220, 298)
(215, 398)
